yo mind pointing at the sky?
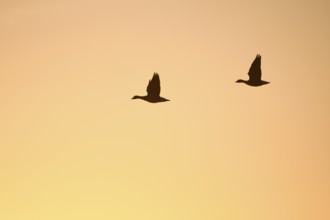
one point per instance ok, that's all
(74, 145)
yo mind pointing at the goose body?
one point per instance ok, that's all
(153, 91)
(254, 74)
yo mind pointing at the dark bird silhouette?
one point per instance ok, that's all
(153, 91)
(254, 74)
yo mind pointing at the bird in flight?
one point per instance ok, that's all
(153, 90)
(254, 74)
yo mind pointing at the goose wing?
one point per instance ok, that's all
(255, 69)
(153, 88)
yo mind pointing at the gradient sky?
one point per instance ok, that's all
(74, 146)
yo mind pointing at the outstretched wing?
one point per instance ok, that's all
(255, 69)
(153, 88)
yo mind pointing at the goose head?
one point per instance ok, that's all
(240, 81)
(136, 97)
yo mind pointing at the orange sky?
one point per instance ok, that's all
(75, 146)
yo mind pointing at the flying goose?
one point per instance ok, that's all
(153, 91)
(254, 74)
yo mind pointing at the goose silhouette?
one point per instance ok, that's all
(254, 74)
(153, 90)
